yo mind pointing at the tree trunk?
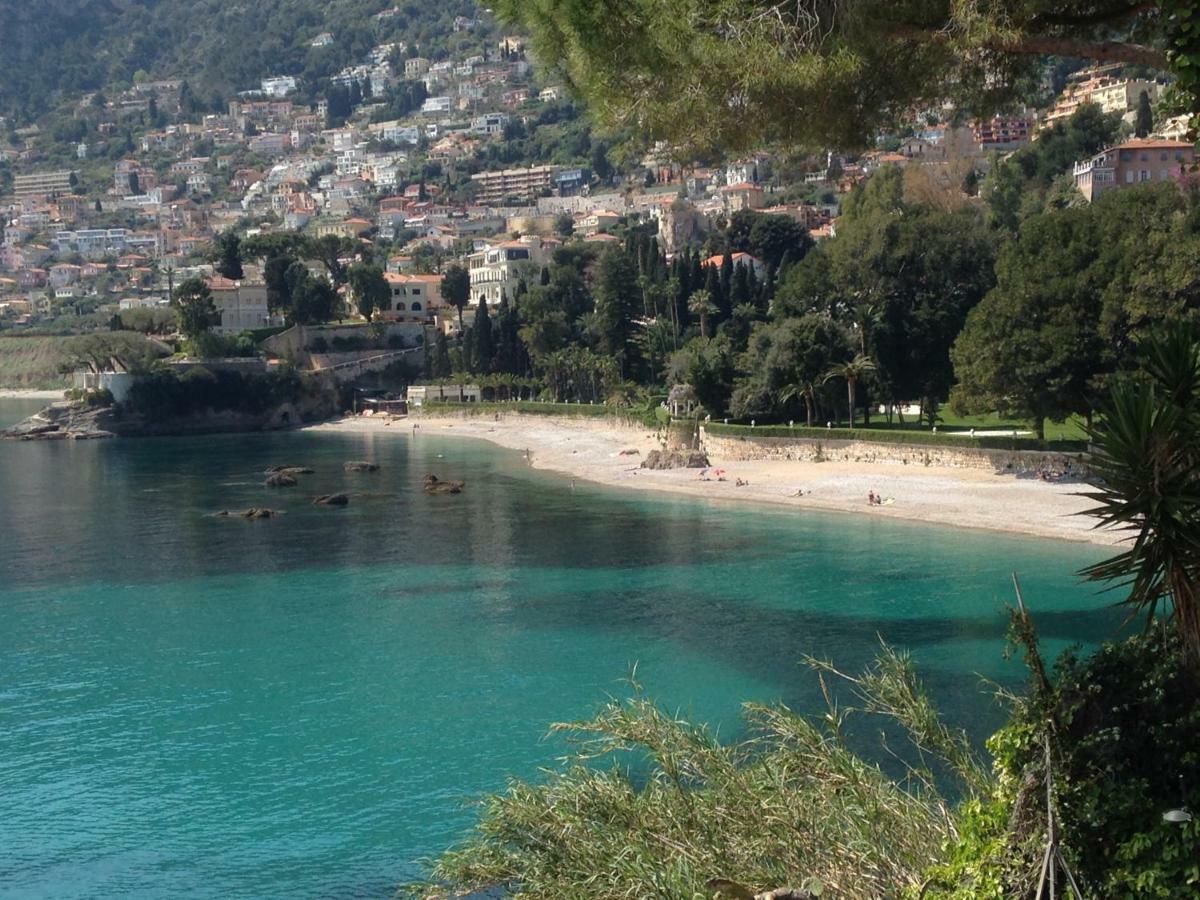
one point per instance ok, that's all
(808, 409)
(850, 397)
(1039, 427)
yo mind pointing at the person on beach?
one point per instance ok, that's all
(870, 498)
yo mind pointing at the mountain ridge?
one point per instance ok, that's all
(55, 50)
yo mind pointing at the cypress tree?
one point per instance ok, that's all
(484, 342)
(712, 284)
(442, 357)
(723, 302)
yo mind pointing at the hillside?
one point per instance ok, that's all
(55, 49)
(31, 362)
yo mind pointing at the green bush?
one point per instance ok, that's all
(894, 436)
(538, 408)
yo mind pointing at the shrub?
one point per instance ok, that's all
(890, 436)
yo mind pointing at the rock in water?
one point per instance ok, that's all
(280, 479)
(361, 465)
(434, 485)
(254, 512)
(332, 500)
(288, 470)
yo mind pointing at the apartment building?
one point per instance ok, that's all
(518, 184)
(40, 184)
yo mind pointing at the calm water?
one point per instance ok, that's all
(300, 707)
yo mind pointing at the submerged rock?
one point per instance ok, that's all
(280, 479)
(254, 512)
(289, 470)
(361, 465)
(332, 500)
(435, 485)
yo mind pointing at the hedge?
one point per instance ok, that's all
(531, 407)
(882, 436)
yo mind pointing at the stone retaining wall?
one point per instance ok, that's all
(812, 450)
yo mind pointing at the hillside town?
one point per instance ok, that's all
(425, 188)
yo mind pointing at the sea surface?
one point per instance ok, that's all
(305, 707)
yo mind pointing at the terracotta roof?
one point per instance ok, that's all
(740, 186)
(719, 260)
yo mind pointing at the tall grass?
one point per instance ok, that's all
(651, 805)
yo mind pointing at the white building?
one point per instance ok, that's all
(496, 270)
(436, 105)
(280, 86)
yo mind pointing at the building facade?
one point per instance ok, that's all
(1133, 162)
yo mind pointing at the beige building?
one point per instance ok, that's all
(519, 184)
(1133, 162)
(242, 305)
(415, 298)
(1111, 94)
(41, 184)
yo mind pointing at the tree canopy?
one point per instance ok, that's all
(740, 73)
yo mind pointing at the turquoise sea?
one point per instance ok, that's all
(304, 707)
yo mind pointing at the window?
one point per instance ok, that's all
(1164, 174)
(1129, 176)
(400, 307)
(416, 307)
(416, 292)
(1126, 156)
(1163, 156)
(1145, 156)
(1145, 174)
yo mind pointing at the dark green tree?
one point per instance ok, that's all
(370, 289)
(227, 255)
(485, 347)
(456, 289)
(618, 300)
(194, 308)
(1143, 122)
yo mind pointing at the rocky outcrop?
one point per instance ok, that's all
(435, 485)
(675, 459)
(332, 500)
(63, 422)
(280, 479)
(361, 465)
(254, 512)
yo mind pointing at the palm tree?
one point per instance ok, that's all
(701, 304)
(807, 391)
(852, 371)
(1146, 452)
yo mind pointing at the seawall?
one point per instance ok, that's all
(924, 456)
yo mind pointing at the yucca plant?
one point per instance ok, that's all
(1147, 456)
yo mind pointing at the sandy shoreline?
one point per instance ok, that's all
(23, 394)
(592, 450)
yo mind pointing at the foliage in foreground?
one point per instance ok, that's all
(1122, 726)
(677, 808)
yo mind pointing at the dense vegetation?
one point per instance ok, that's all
(59, 48)
(830, 74)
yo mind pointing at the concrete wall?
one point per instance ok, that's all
(1016, 461)
(297, 338)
